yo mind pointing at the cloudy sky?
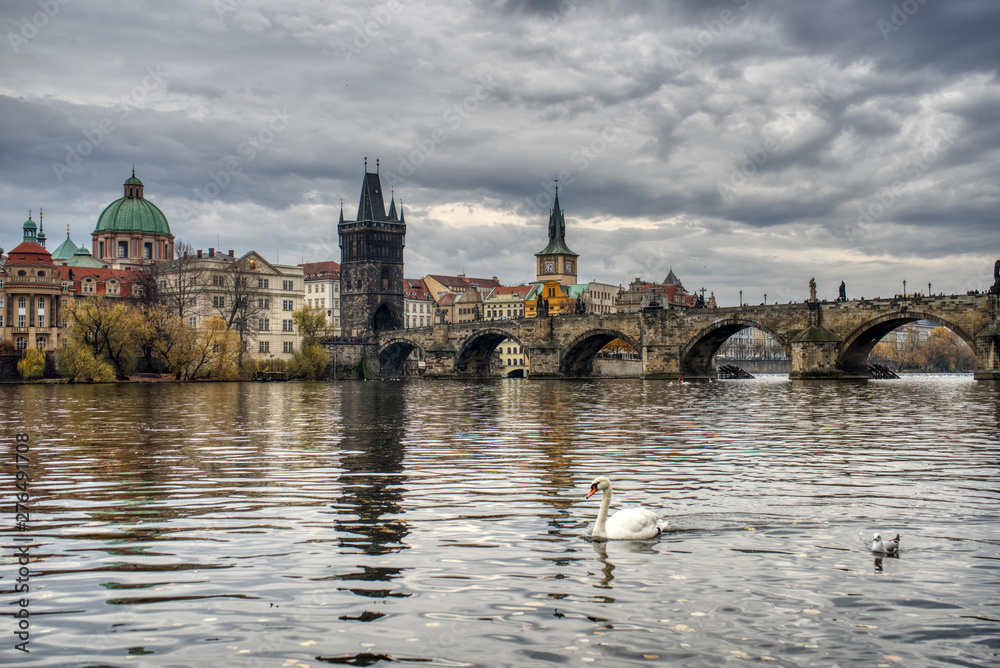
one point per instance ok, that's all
(747, 144)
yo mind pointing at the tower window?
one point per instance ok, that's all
(122, 249)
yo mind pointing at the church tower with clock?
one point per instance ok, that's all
(556, 262)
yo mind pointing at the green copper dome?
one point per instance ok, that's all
(132, 213)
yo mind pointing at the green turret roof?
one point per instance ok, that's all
(557, 232)
(65, 250)
(83, 258)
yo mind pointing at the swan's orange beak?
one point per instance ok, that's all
(593, 488)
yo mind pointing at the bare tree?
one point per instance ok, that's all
(242, 301)
(180, 280)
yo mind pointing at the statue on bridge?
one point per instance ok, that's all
(995, 290)
(842, 297)
(812, 289)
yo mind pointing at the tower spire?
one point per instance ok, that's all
(41, 229)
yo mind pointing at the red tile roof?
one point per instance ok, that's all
(519, 290)
(325, 269)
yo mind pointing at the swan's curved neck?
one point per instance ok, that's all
(602, 516)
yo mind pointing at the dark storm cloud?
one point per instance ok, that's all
(747, 143)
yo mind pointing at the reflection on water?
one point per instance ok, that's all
(445, 522)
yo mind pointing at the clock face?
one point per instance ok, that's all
(550, 267)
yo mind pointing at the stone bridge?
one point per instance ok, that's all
(824, 339)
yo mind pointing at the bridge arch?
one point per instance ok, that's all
(856, 347)
(697, 357)
(578, 356)
(476, 350)
(393, 354)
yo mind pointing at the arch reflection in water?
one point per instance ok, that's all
(369, 507)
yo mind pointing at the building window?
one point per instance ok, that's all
(264, 324)
(286, 325)
(264, 303)
(22, 343)
(322, 288)
(40, 343)
(264, 346)
(288, 347)
(88, 285)
(217, 280)
(309, 289)
(147, 251)
(262, 282)
(218, 301)
(1, 319)
(287, 285)
(100, 249)
(122, 249)
(192, 322)
(287, 304)
(21, 319)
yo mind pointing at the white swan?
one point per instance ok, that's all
(890, 547)
(626, 524)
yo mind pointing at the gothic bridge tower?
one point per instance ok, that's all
(371, 263)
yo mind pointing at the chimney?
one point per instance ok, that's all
(211, 252)
(232, 253)
(199, 253)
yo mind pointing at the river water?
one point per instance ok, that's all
(444, 523)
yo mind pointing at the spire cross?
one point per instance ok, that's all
(29, 214)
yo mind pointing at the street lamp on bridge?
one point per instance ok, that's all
(904, 289)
